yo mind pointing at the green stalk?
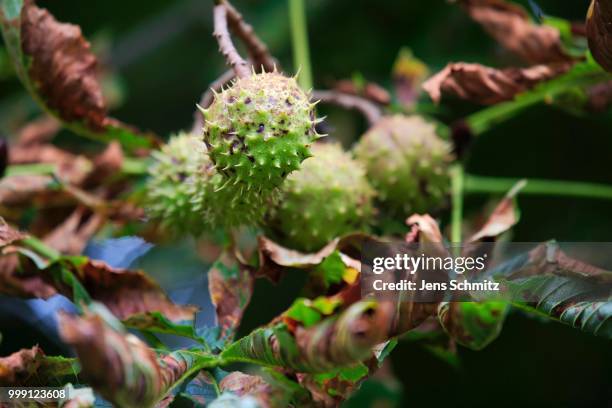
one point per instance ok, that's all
(131, 166)
(38, 246)
(457, 202)
(582, 75)
(299, 35)
(497, 185)
(30, 169)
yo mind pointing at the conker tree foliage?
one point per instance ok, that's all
(255, 162)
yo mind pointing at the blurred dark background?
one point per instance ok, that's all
(164, 56)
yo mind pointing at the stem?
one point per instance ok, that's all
(479, 184)
(135, 166)
(130, 166)
(256, 48)
(40, 247)
(226, 46)
(299, 35)
(581, 75)
(369, 110)
(457, 202)
(30, 169)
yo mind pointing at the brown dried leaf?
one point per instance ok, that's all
(129, 292)
(370, 90)
(274, 258)
(57, 67)
(549, 259)
(599, 32)
(38, 131)
(329, 393)
(30, 367)
(70, 168)
(510, 25)
(254, 386)
(230, 285)
(425, 229)
(345, 340)
(72, 235)
(63, 66)
(8, 235)
(600, 97)
(105, 165)
(485, 85)
(24, 283)
(122, 368)
(20, 189)
(504, 217)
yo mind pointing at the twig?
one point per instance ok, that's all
(226, 46)
(370, 111)
(257, 49)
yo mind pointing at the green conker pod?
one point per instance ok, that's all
(407, 163)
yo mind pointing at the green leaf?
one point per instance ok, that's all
(310, 312)
(303, 313)
(331, 270)
(548, 282)
(330, 344)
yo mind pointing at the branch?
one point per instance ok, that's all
(259, 52)
(369, 110)
(226, 46)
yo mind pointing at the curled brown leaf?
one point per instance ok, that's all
(599, 32)
(63, 66)
(369, 90)
(105, 165)
(31, 367)
(122, 368)
(266, 394)
(274, 259)
(70, 168)
(549, 259)
(503, 217)
(230, 285)
(23, 284)
(485, 85)
(343, 341)
(129, 292)
(8, 235)
(71, 236)
(510, 25)
(38, 131)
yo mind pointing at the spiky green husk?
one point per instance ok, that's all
(328, 197)
(184, 191)
(258, 131)
(407, 164)
(181, 175)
